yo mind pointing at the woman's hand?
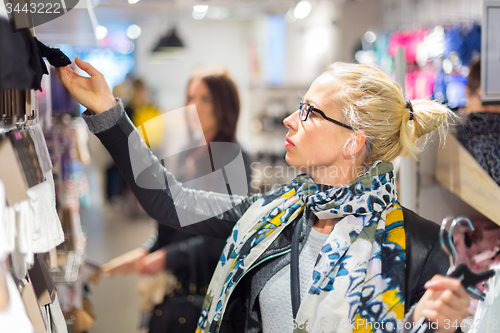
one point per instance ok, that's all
(153, 263)
(92, 92)
(444, 302)
(125, 264)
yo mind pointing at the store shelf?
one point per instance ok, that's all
(461, 174)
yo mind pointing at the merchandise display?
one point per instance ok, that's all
(41, 184)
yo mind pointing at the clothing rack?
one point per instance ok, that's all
(48, 257)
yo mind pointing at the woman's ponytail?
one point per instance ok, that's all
(428, 116)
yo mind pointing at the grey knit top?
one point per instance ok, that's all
(275, 298)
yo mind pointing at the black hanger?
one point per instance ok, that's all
(467, 278)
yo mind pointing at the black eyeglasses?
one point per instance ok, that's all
(306, 108)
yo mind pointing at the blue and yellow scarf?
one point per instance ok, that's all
(359, 277)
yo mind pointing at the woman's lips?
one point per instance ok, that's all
(288, 143)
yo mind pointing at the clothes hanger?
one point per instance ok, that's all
(467, 278)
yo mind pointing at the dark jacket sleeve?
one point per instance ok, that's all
(424, 255)
(164, 236)
(157, 198)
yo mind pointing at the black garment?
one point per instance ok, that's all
(15, 71)
(481, 136)
(424, 258)
(21, 58)
(62, 102)
(54, 56)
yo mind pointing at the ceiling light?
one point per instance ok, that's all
(133, 1)
(199, 15)
(169, 42)
(101, 32)
(302, 9)
(200, 8)
(133, 31)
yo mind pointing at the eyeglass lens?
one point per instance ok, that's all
(303, 111)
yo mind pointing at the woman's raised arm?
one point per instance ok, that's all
(167, 201)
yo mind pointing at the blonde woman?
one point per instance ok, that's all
(332, 251)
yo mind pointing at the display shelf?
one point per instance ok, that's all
(462, 175)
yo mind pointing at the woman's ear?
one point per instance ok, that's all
(354, 144)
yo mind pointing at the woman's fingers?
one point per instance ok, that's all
(88, 68)
(446, 283)
(446, 302)
(455, 301)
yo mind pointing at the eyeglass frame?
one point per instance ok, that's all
(310, 108)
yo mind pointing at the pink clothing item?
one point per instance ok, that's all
(419, 85)
(409, 40)
(478, 247)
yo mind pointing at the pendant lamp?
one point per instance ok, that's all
(169, 42)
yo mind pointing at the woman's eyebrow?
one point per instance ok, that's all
(312, 102)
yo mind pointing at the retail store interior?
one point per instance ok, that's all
(77, 238)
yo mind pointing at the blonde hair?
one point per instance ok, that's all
(373, 103)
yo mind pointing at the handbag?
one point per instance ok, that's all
(181, 308)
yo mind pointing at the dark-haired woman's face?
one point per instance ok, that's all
(199, 95)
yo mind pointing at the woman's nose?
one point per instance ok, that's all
(291, 120)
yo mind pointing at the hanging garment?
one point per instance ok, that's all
(14, 318)
(54, 318)
(480, 136)
(486, 318)
(464, 41)
(450, 89)
(21, 58)
(47, 230)
(60, 99)
(409, 40)
(478, 249)
(419, 84)
(54, 56)
(32, 226)
(23, 255)
(15, 72)
(4, 246)
(371, 236)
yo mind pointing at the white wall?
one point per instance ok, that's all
(313, 43)
(356, 18)
(207, 41)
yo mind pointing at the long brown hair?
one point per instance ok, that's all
(225, 99)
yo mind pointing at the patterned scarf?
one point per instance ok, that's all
(359, 277)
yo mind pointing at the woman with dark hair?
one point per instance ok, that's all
(215, 96)
(332, 251)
